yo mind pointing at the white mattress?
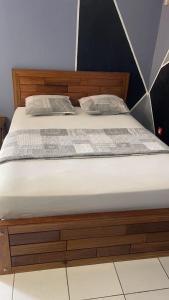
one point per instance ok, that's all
(55, 187)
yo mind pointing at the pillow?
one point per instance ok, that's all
(48, 105)
(103, 105)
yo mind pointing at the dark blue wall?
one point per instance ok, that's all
(103, 45)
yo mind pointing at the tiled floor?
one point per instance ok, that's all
(146, 279)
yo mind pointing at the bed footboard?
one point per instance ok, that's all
(51, 242)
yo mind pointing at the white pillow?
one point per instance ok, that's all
(103, 105)
(48, 105)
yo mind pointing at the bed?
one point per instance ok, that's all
(80, 211)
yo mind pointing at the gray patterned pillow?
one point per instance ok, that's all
(48, 105)
(103, 105)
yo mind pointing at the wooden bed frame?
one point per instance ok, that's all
(49, 242)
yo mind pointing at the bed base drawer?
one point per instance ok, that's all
(53, 242)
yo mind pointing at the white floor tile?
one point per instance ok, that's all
(41, 285)
(155, 295)
(141, 275)
(6, 285)
(165, 263)
(94, 281)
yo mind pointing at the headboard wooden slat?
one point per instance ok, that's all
(28, 82)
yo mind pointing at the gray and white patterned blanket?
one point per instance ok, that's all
(75, 143)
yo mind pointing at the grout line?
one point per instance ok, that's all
(13, 286)
(158, 71)
(67, 283)
(147, 291)
(103, 297)
(126, 294)
(163, 267)
(130, 44)
(123, 294)
(119, 280)
(77, 33)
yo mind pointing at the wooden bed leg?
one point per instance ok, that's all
(5, 258)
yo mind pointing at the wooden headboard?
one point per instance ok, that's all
(28, 82)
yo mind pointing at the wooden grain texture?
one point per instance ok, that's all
(84, 89)
(37, 258)
(114, 250)
(63, 81)
(80, 254)
(34, 238)
(32, 80)
(28, 82)
(38, 248)
(149, 247)
(116, 258)
(93, 219)
(93, 232)
(106, 241)
(102, 82)
(148, 227)
(5, 260)
(41, 88)
(66, 222)
(52, 257)
(157, 237)
(42, 227)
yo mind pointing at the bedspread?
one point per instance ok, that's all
(75, 143)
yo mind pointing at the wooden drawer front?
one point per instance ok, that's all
(114, 250)
(150, 247)
(157, 237)
(37, 258)
(52, 257)
(135, 223)
(93, 232)
(37, 248)
(80, 254)
(34, 238)
(148, 227)
(104, 242)
(88, 225)
(85, 241)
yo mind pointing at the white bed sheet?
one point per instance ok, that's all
(55, 187)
